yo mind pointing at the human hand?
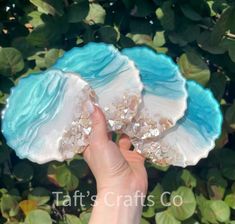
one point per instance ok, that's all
(117, 170)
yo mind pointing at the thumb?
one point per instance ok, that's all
(99, 135)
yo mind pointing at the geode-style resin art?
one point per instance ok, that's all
(192, 137)
(164, 95)
(112, 75)
(169, 120)
(47, 116)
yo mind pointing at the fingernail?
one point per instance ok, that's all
(90, 107)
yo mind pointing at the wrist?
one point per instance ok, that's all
(126, 186)
(118, 207)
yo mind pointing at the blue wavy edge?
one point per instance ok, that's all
(8, 98)
(218, 118)
(87, 47)
(171, 61)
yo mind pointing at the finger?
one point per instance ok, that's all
(110, 135)
(133, 157)
(99, 135)
(124, 142)
(86, 153)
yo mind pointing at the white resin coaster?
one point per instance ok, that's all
(164, 94)
(113, 77)
(193, 136)
(48, 116)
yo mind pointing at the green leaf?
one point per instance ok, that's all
(159, 39)
(140, 26)
(40, 195)
(216, 184)
(49, 6)
(190, 13)
(96, 14)
(222, 140)
(166, 218)
(183, 35)
(177, 38)
(9, 206)
(79, 167)
(129, 4)
(231, 50)
(183, 203)
(35, 18)
(205, 44)
(217, 84)
(230, 200)
(41, 36)
(38, 217)
(65, 178)
(143, 8)
(39, 59)
(78, 11)
(52, 55)
(219, 6)
(194, 68)
(72, 219)
(230, 116)
(233, 187)
(229, 172)
(156, 195)
(23, 172)
(11, 61)
(205, 210)
(48, 33)
(214, 210)
(143, 221)
(166, 15)
(85, 217)
(4, 153)
(125, 42)
(191, 221)
(141, 39)
(107, 34)
(226, 157)
(79, 40)
(224, 24)
(169, 181)
(148, 212)
(187, 179)
(23, 46)
(220, 210)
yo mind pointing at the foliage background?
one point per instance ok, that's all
(198, 34)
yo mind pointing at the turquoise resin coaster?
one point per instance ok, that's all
(193, 136)
(164, 96)
(113, 77)
(47, 116)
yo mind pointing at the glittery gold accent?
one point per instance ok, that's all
(143, 126)
(75, 138)
(157, 152)
(122, 111)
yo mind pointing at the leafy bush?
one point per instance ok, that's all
(198, 34)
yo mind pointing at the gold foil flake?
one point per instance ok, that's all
(75, 137)
(158, 153)
(144, 126)
(122, 111)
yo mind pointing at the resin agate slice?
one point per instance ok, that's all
(47, 116)
(193, 136)
(164, 95)
(113, 77)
